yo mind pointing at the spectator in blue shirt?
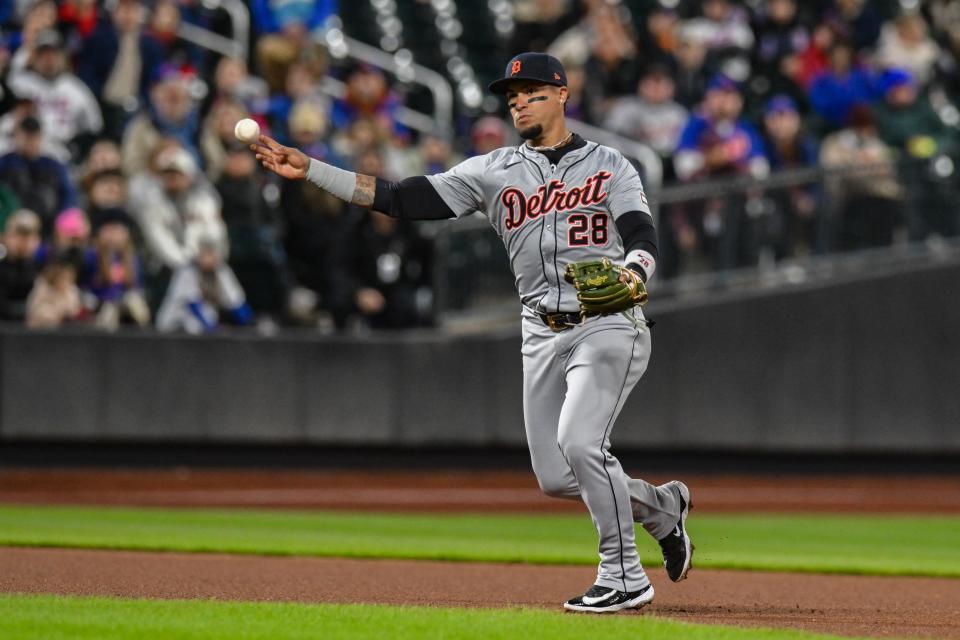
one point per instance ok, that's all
(284, 28)
(845, 84)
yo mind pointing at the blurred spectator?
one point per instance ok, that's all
(20, 109)
(176, 207)
(308, 132)
(368, 96)
(612, 69)
(723, 26)
(164, 25)
(717, 141)
(70, 241)
(845, 84)
(907, 123)
(116, 283)
(862, 183)
(18, 268)
(40, 16)
(781, 38)
(78, 17)
(103, 155)
(171, 113)
(691, 75)
(55, 298)
(233, 81)
(318, 232)
(41, 183)
(861, 18)
(66, 107)
(256, 256)
(906, 44)
(106, 191)
(285, 29)
(363, 133)
(217, 134)
(814, 60)
(117, 62)
(788, 147)
(392, 265)
(201, 291)
(488, 133)
(301, 86)
(539, 23)
(651, 117)
(434, 154)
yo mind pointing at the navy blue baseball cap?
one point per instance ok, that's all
(536, 67)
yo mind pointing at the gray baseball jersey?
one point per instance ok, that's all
(575, 381)
(547, 215)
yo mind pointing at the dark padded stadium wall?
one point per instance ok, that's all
(860, 366)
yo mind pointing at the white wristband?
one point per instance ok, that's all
(333, 180)
(643, 258)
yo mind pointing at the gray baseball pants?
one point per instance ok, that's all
(574, 385)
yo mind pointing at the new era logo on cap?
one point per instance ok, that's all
(538, 67)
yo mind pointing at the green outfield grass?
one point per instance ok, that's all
(883, 545)
(54, 617)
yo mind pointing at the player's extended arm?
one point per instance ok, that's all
(413, 198)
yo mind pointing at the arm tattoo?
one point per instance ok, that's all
(363, 194)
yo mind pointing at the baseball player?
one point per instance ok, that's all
(577, 228)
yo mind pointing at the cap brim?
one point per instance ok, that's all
(500, 86)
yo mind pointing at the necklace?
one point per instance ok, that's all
(552, 147)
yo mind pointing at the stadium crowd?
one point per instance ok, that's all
(125, 199)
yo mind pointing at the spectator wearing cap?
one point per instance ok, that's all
(908, 123)
(845, 84)
(171, 113)
(690, 75)
(70, 240)
(41, 183)
(717, 141)
(906, 120)
(117, 62)
(175, 206)
(116, 281)
(793, 228)
(65, 105)
(18, 265)
(651, 116)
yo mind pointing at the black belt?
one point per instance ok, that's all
(562, 321)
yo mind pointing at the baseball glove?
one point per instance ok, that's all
(604, 287)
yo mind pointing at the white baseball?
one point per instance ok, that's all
(247, 130)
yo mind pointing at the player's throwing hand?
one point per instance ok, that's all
(284, 161)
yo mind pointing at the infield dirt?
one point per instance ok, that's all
(845, 605)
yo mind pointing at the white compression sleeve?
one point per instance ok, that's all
(333, 180)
